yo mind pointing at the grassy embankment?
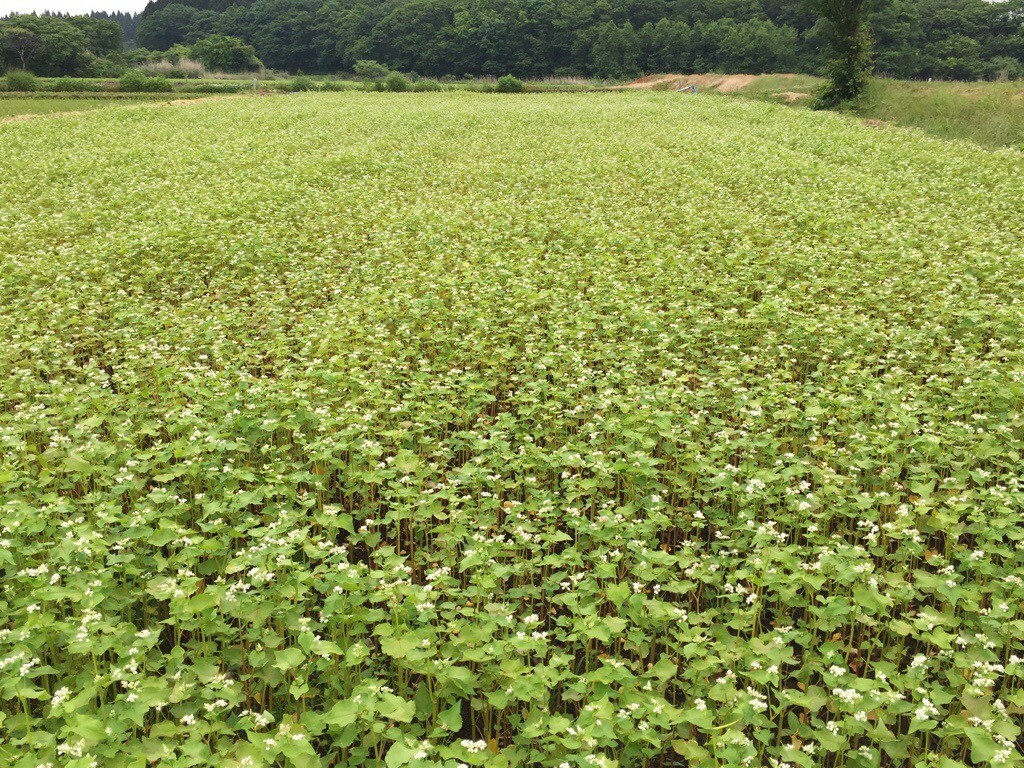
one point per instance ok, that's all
(990, 114)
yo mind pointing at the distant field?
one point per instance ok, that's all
(618, 430)
(34, 106)
(48, 103)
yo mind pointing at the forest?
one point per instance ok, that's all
(913, 39)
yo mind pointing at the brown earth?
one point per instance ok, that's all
(720, 83)
(792, 96)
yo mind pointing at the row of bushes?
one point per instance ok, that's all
(396, 82)
(134, 81)
(137, 81)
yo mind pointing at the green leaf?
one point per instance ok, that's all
(664, 669)
(392, 707)
(289, 658)
(398, 647)
(618, 592)
(75, 463)
(451, 718)
(691, 750)
(343, 713)
(983, 746)
(89, 728)
(399, 755)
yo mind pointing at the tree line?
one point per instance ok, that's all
(944, 39)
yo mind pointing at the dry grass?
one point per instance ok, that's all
(188, 69)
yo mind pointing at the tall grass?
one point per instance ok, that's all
(183, 69)
(986, 113)
(991, 114)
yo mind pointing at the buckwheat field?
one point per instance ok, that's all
(443, 430)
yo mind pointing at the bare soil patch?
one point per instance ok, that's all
(720, 83)
(792, 96)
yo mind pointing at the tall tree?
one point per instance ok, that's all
(57, 48)
(20, 42)
(849, 39)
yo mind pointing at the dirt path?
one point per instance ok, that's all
(720, 83)
(791, 97)
(172, 103)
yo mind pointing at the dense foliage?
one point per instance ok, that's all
(608, 430)
(134, 81)
(52, 45)
(947, 39)
(225, 54)
(849, 40)
(962, 39)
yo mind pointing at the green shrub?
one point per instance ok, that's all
(134, 81)
(369, 69)
(66, 84)
(396, 83)
(226, 54)
(422, 86)
(301, 83)
(333, 85)
(112, 67)
(214, 88)
(20, 80)
(510, 84)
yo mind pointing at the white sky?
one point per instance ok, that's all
(70, 6)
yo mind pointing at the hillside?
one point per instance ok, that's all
(203, 5)
(915, 39)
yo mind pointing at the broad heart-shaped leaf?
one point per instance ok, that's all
(451, 718)
(88, 727)
(75, 463)
(924, 490)
(398, 647)
(399, 755)
(300, 753)
(691, 750)
(392, 707)
(983, 746)
(702, 718)
(288, 658)
(406, 461)
(618, 592)
(605, 628)
(814, 698)
(664, 669)
(460, 678)
(343, 713)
